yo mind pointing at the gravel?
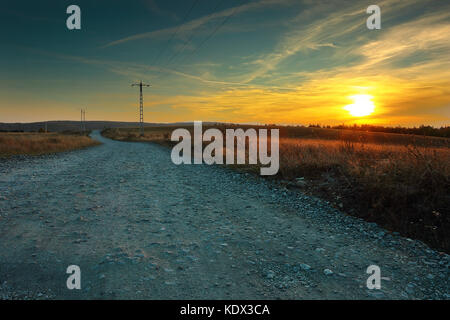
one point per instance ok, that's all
(141, 227)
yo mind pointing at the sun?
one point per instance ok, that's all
(362, 106)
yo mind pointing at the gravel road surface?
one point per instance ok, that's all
(140, 227)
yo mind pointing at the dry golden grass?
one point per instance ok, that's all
(405, 188)
(402, 182)
(356, 158)
(41, 143)
(154, 134)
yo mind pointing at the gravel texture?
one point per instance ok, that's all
(141, 227)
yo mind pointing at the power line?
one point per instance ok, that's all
(225, 20)
(176, 31)
(189, 39)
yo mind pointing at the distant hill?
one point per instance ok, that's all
(58, 126)
(62, 125)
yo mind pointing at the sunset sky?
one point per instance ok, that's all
(259, 61)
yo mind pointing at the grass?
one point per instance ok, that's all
(33, 143)
(403, 188)
(159, 135)
(401, 182)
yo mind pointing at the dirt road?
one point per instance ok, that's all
(141, 227)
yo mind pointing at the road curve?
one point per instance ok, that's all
(140, 227)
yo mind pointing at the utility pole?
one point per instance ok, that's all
(83, 119)
(141, 105)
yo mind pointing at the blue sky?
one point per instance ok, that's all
(284, 61)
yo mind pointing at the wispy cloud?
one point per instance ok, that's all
(285, 61)
(196, 24)
(154, 7)
(338, 23)
(136, 71)
(406, 67)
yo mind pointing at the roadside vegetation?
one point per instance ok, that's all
(401, 182)
(37, 143)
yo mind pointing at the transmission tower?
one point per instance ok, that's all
(141, 105)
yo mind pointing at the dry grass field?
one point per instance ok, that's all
(401, 182)
(33, 143)
(404, 188)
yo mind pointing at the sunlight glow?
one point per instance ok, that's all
(362, 106)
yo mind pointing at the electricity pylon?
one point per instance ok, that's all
(141, 105)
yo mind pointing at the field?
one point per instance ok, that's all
(401, 182)
(33, 143)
